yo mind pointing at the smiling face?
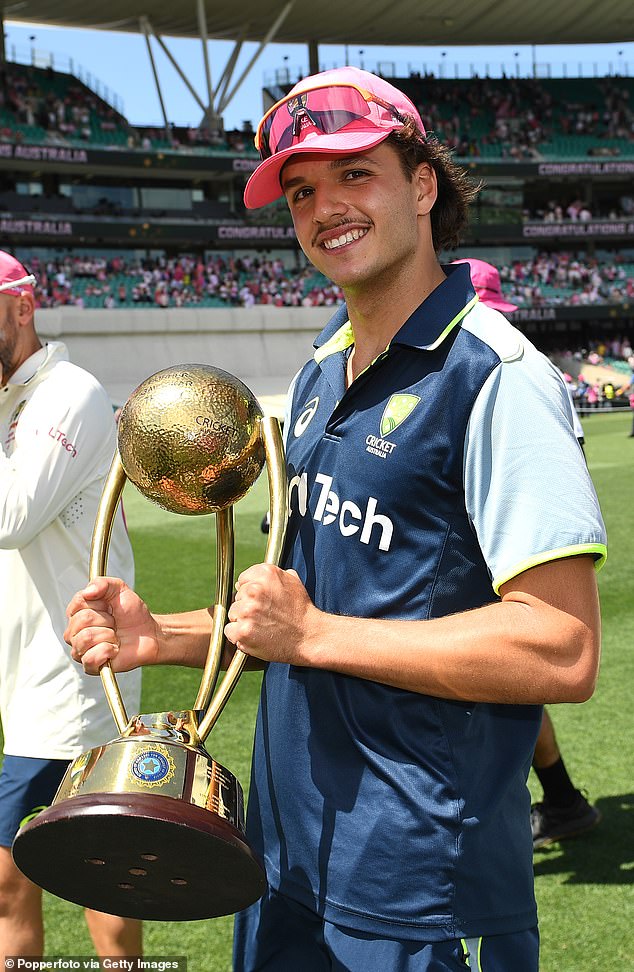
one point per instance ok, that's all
(359, 219)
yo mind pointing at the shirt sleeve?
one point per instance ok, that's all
(527, 487)
(63, 441)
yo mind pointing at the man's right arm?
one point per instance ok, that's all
(112, 623)
(49, 467)
(108, 619)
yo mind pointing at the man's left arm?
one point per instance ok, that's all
(539, 643)
(532, 505)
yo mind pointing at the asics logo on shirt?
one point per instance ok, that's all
(306, 417)
(366, 524)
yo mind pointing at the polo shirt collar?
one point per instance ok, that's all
(425, 329)
(33, 364)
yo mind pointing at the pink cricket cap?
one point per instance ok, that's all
(14, 279)
(359, 135)
(486, 281)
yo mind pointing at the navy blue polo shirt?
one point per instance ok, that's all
(389, 811)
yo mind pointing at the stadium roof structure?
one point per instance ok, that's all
(411, 22)
(369, 22)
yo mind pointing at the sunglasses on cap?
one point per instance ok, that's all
(29, 280)
(329, 108)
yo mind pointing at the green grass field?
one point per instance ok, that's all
(584, 887)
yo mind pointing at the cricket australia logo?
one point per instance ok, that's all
(398, 408)
(13, 422)
(152, 767)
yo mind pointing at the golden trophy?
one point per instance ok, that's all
(149, 825)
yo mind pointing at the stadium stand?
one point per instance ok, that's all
(528, 118)
(116, 216)
(40, 105)
(481, 117)
(225, 280)
(181, 281)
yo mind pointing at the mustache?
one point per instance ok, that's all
(343, 222)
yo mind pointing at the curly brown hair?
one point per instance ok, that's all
(456, 190)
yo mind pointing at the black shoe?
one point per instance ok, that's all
(550, 824)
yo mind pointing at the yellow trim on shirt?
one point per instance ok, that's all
(340, 340)
(344, 337)
(450, 326)
(598, 549)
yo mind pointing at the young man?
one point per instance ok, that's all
(57, 438)
(439, 584)
(563, 811)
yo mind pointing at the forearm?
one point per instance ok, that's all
(183, 639)
(509, 652)
(539, 643)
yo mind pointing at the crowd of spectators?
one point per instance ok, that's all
(517, 116)
(589, 396)
(68, 110)
(608, 350)
(604, 371)
(187, 280)
(579, 210)
(34, 98)
(611, 117)
(566, 278)
(612, 351)
(222, 280)
(510, 117)
(188, 138)
(181, 281)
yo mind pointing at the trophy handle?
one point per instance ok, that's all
(278, 507)
(113, 487)
(224, 590)
(278, 502)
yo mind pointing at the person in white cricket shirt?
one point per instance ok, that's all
(57, 438)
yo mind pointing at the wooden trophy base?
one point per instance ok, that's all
(140, 856)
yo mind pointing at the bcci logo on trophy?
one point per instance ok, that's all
(152, 767)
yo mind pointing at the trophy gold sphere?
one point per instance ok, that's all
(189, 439)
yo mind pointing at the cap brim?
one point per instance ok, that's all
(501, 305)
(264, 186)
